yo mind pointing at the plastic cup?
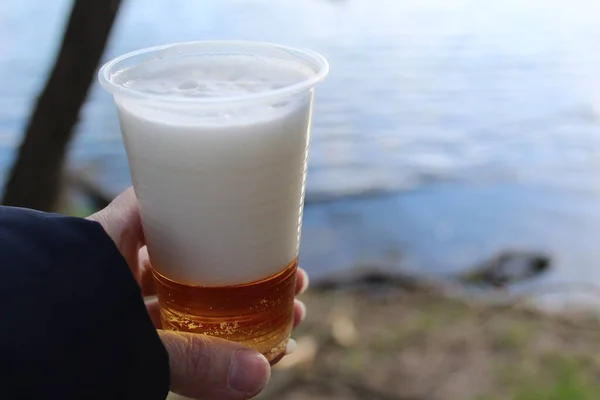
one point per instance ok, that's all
(217, 137)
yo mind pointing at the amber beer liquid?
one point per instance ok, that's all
(217, 137)
(256, 314)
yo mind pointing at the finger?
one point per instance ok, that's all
(301, 281)
(211, 368)
(121, 221)
(154, 311)
(299, 312)
(290, 347)
(145, 278)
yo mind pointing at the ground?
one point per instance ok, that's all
(427, 346)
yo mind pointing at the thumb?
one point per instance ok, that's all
(204, 367)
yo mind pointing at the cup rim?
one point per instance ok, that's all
(317, 60)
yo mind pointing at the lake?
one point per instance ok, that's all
(463, 127)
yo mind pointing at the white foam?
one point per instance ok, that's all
(220, 192)
(211, 76)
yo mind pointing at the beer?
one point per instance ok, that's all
(217, 137)
(257, 314)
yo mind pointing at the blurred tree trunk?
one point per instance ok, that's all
(35, 178)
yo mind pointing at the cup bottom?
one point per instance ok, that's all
(258, 315)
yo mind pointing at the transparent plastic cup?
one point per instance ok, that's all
(217, 137)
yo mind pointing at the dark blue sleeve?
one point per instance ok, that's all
(73, 324)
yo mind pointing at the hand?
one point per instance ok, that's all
(200, 366)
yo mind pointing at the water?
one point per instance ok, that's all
(482, 119)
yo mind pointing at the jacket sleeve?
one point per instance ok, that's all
(73, 324)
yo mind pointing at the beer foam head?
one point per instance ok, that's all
(213, 72)
(217, 142)
(211, 77)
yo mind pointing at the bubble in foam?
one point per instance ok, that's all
(280, 104)
(187, 85)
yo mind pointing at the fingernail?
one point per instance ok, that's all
(302, 310)
(249, 372)
(305, 283)
(291, 346)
